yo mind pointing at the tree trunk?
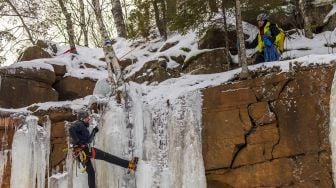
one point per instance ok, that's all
(226, 36)
(171, 9)
(164, 18)
(160, 22)
(22, 21)
(118, 18)
(213, 5)
(306, 22)
(83, 26)
(114, 71)
(82, 23)
(240, 34)
(69, 27)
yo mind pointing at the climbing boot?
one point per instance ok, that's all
(132, 165)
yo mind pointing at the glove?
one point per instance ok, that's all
(267, 41)
(95, 129)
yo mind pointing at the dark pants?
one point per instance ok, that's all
(100, 155)
(260, 58)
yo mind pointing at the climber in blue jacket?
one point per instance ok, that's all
(81, 139)
(270, 40)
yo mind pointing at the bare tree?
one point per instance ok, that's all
(226, 35)
(69, 27)
(160, 19)
(244, 74)
(171, 9)
(306, 21)
(22, 20)
(118, 18)
(110, 56)
(83, 26)
(213, 5)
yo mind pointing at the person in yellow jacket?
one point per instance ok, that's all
(270, 35)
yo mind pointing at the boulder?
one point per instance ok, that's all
(59, 70)
(168, 45)
(33, 52)
(71, 88)
(215, 38)
(41, 44)
(178, 59)
(39, 75)
(126, 62)
(154, 71)
(206, 63)
(17, 92)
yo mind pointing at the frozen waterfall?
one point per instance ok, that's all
(165, 135)
(30, 154)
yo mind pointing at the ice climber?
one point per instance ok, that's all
(83, 152)
(270, 40)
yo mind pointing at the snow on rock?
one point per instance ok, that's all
(30, 154)
(33, 64)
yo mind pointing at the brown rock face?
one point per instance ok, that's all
(8, 125)
(17, 92)
(272, 131)
(39, 75)
(215, 38)
(261, 113)
(206, 63)
(70, 88)
(154, 71)
(34, 52)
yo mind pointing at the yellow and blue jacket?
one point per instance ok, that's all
(274, 33)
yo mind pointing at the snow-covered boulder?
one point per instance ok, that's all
(215, 38)
(20, 92)
(70, 88)
(33, 52)
(154, 71)
(207, 62)
(40, 75)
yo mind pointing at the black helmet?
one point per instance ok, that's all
(262, 16)
(82, 114)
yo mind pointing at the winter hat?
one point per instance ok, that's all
(262, 17)
(82, 114)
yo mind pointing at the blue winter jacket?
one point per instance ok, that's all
(80, 134)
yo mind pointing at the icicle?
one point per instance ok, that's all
(30, 154)
(332, 136)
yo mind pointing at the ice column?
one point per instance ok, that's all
(30, 154)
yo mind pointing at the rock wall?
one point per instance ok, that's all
(8, 125)
(9, 122)
(271, 131)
